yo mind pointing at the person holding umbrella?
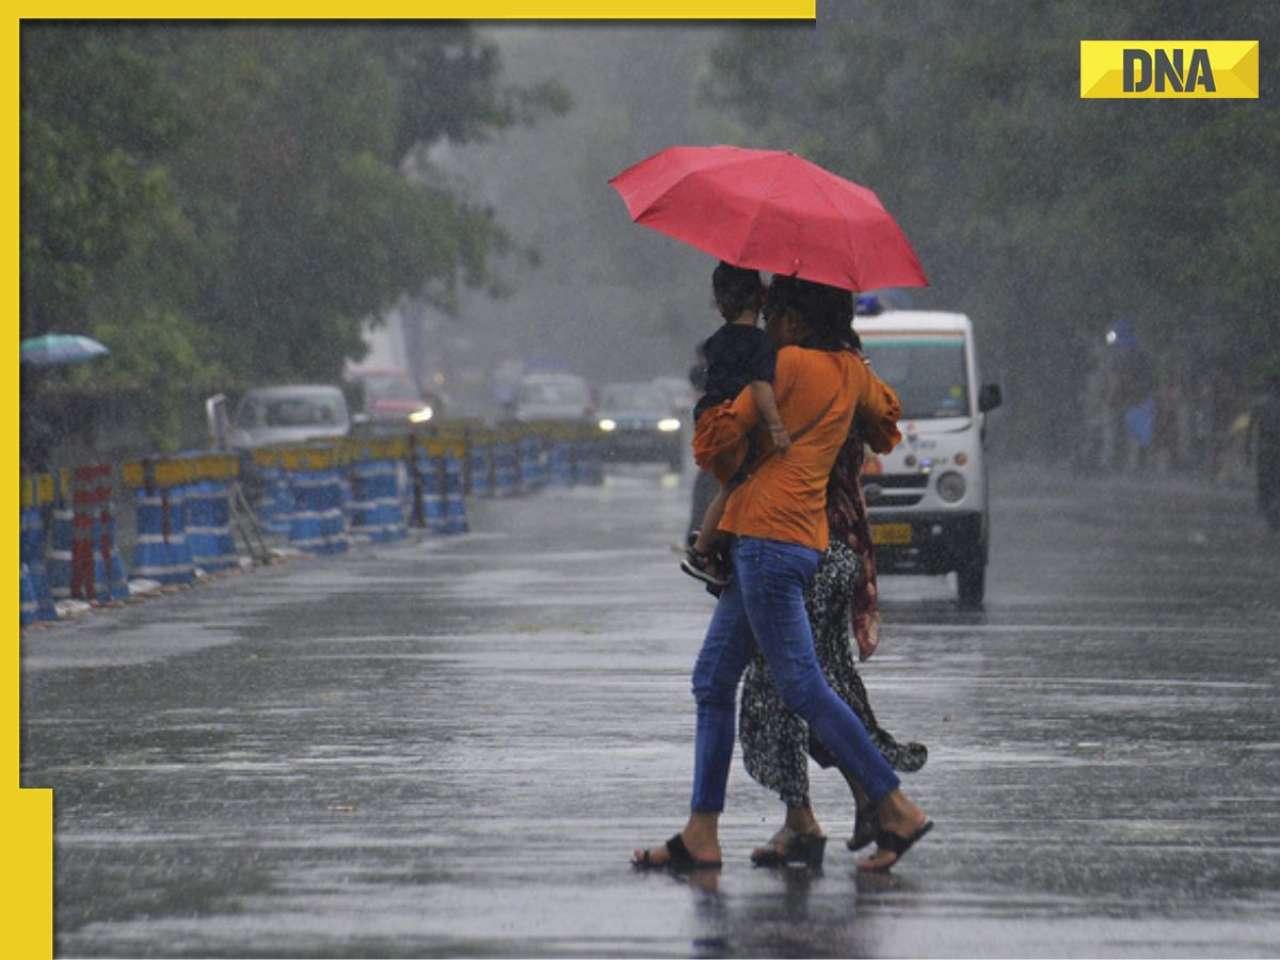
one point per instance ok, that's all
(778, 515)
(822, 236)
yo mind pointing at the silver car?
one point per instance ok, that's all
(553, 396)
(288, 414)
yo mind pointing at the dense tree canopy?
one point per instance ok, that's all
(223, 204)
(1045, 216)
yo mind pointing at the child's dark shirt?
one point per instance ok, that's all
(736, 355)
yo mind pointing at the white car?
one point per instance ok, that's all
(553, 396)
(288, 414)
(639, 423)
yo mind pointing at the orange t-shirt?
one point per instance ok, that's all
(785, 497)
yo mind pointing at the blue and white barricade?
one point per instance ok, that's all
(376, 502)
(61, 538)
(532, 472)
(560, 462)
(161, 552)
(506, 466)
(480, 462)
(455, 505)
(37, 492)
(208, 525)
(318, 524)
(276, 504)
(428, 460)
(27, 606)
(109, 578)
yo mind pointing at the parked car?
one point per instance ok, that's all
(288, 414)
(552, 396)
(638, 419)
(389, 397)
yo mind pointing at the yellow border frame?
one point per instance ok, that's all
(27, 815)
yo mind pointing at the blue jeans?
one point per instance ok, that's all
(764, 604)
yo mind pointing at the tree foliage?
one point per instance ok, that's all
(1043, 215)
(227, 204)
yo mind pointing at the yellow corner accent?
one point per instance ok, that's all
(28, 895)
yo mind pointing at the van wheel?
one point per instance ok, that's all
(972, 583)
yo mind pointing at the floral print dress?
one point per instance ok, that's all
(841, 599)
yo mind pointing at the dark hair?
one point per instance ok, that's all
(826, 311)
(736, 289)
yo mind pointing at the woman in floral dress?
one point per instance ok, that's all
(776, 744)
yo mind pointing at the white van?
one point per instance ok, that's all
(928, 498)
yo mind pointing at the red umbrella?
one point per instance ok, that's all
(771, 210)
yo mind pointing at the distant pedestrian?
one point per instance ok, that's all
(738, 356)
(1265, 436)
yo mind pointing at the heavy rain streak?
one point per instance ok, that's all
(706, 489)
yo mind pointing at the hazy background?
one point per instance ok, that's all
(231, 205)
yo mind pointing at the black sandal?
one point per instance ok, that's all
(802, 849)
(864, 831)
(896, 845)
(679, 859)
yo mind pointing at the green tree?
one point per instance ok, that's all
(1044, 216)
(225, 204)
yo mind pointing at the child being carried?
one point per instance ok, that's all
(739, 355)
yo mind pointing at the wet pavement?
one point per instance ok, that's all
(450, 747)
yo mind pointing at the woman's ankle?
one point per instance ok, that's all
(897, 809)
(802, 820)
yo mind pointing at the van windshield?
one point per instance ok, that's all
(926, 370)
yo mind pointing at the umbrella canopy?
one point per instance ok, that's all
(54, 349)
(771, 210)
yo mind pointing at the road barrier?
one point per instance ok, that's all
(376, 496)
(318, 523)
(454, 456)
(275, 509)
(208, 511)
(62, 536)
(36, 495)
(160, 550)
(560, 469)
(480, 464)
(318, 495)
(97, 574)
(506, 464)
(533, 476)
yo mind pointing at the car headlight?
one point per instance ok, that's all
(951, 486)
(668, 424)
(421, 416)
(606, 425)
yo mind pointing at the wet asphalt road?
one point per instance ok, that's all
(450, 747)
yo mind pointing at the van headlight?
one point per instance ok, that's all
(951, 486)
(608, 425)
(668, 424)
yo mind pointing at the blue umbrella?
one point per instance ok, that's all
(54, 349)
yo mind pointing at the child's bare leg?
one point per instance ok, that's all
(708, 536)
